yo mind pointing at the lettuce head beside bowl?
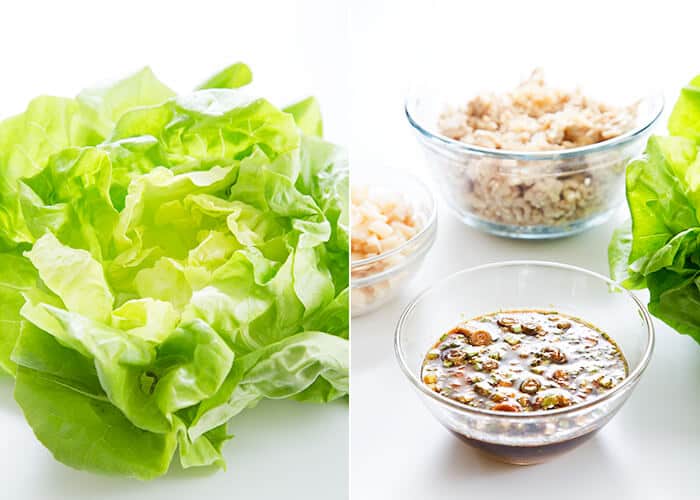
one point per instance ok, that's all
(659, 248)
(167, 261)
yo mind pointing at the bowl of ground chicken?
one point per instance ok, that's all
(393, 225)
(535, 160)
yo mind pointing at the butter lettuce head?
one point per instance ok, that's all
(659, 248)
(167, 261)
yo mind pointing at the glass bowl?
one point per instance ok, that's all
(532, 195)
(376, 280)
(526, 437)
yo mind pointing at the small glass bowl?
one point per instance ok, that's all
(376, 280)
(531, 195)
(527, 437)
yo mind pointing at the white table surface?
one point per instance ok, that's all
(651, 449)
(282, 449)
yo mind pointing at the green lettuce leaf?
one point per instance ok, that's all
(210, 127)
(232, 77)
(203, 451)
(74, 276)
(685, 118)
(167, 261)
(41, 352)
(110, 102)
(146, 318)
(277, 371)
(675, 298)
(307, 115)
(70, 198)
(89, 433)
(657, 195)
(332, 318)
(16, 276)
(661, 249)
(27, 141)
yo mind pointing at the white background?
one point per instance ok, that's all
(282, 449)
(651, 449)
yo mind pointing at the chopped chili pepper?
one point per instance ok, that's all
(480, 338)
(505, 407)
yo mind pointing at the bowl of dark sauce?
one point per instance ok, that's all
(524, 360)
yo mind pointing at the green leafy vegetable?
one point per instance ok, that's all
(660, 249)
(232, 77)
(166, 262)
(685, 118)
(307, 114)
(90, 433)
(16, 275)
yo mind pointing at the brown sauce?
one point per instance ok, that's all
(524, 360)
(525, 455)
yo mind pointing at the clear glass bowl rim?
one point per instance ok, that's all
(631, 379)
(425, 230)
(655, 97)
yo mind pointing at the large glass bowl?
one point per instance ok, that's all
(530, 195)
(378, 279)
(527, 437)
